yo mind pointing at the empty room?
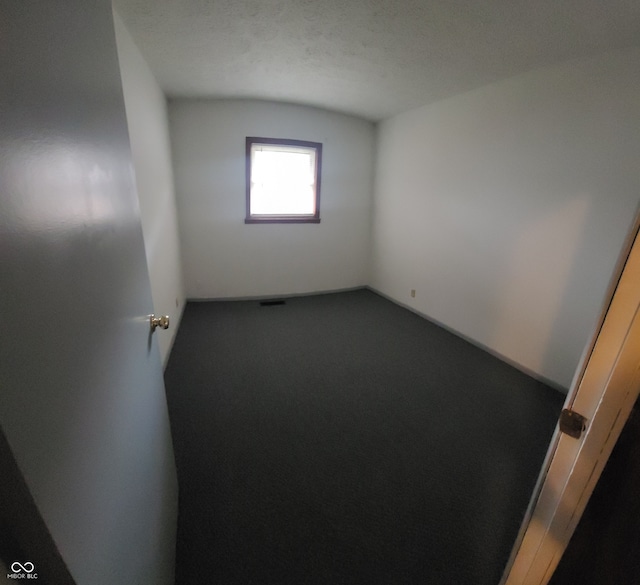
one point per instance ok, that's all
(310, 292)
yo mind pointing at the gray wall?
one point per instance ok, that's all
(82, 403)
(223, 257)
(149, 136)
(506, 207)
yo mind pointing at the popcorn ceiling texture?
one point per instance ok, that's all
(372, 58)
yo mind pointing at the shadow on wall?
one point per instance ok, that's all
(592, 259)
(561, 247)
(537, 251)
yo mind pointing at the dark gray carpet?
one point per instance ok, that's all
(340, 439)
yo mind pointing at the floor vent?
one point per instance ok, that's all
(272, 303)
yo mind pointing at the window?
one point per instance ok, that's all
(283, 181)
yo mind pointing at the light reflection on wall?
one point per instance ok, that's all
(81, 190)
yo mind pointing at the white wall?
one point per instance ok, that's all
(506, 207)
(150, 145)
(223, 257)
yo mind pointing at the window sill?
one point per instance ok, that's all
(251, 220)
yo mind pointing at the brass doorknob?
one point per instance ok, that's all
(162, 322)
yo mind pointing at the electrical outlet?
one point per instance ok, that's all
(412, 292)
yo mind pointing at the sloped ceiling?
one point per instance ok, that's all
(371, 58)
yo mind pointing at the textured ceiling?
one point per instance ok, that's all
(372, 58)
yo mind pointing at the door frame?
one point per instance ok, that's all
(604, 390)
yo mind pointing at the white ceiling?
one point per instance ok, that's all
(366, 57)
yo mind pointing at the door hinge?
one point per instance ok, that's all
(572, 423)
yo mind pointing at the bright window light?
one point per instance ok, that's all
(283, 181)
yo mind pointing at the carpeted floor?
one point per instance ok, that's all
(340, 439)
